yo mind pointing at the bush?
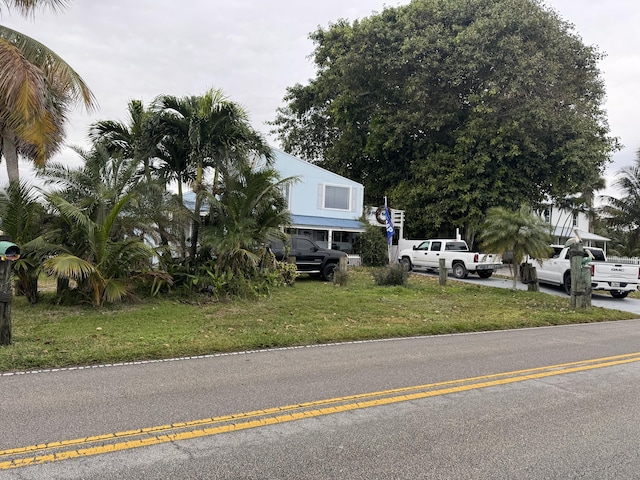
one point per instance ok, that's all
(371, 245)
(395, 274)
(288, 272)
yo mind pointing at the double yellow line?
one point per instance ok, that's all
(113, 442)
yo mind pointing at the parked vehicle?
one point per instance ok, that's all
(309, 257)
(616, 278)
(458, 258)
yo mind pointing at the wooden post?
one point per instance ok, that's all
(442, 270)
(5, 302)
(580, 278)
(342, 266)
(530, 275)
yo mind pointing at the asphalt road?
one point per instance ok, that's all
(553, 403)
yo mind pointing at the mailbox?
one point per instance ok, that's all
(9, 251)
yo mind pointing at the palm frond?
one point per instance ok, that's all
(68, 266)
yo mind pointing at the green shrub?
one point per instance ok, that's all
(371, 245)
(288, 272)
(395, 274)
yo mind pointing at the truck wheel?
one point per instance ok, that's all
(459, 270)
(406, 262)
(328, 271)
(567, 283)
(485, 273)
(619, 294)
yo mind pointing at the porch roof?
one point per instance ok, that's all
(306, 221)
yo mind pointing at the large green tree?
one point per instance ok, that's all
(450, 107)
(36, 89)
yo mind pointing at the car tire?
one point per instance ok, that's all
(406, 262)
(619, 294)
(485, 273)
(459, 270)
(328, 271)
(566, 283)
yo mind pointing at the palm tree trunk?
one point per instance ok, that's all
(10, 154)
(183, 240)
(195, 230)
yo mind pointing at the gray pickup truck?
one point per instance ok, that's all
(310, 258)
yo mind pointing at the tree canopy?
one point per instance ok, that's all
(451, 107)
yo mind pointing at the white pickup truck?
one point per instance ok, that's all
(616, 278)
(457, 258)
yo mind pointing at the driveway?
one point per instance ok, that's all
(502, 279)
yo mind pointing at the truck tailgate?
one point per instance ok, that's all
(615, 272)
(490, 258)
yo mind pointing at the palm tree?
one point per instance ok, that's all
(101, 265)
(101, 237)
(219, 136)
(36, 89)
(133, 141)
(623, 213)
(250, 209)
(519, 232)
(24, 219)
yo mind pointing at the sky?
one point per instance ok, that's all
(254, 49)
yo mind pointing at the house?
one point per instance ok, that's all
(564, 224)
(324, 206)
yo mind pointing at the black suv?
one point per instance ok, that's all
(310, 258)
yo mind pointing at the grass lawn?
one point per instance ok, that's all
(310, 312)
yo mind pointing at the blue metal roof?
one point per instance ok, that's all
(325, 222)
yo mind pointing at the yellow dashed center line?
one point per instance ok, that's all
(112, 442)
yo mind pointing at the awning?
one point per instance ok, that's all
(326, 223)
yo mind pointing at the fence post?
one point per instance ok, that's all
(580, 278)
(442, 270)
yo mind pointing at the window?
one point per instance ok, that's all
(456, 246)
(436, 246)
(575, 219)
(423, 246)
(337, 198)
(547, 215)
(303, 245)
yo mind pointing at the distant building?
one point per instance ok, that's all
(564, 223)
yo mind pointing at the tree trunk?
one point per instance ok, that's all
(195, 226)
(10, 154)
